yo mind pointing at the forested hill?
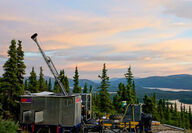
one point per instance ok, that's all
(182, 81)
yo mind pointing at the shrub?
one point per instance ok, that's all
(8, 126)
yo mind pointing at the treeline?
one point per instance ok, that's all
(166, 112)
(34, 85)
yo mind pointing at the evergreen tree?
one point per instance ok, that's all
(41, 81)
(20, 63)
(175, 118)
(155, 114)
(85, 88)
(117, 103)
(66, 84)
(190, 117)
(49, 85)
(104, 97)
(160, 110)
(76, 88)
(33, 84)
(131, 94)
(167, 116)
(64, 81)
(26, 85)
(147, 104)
(56, 88)
(10, 86)
(90, 89)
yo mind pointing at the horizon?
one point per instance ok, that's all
(97, 80)
(153, 37)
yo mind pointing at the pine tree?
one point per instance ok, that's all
(85, 88)
(20, 63)
(66, 83)
(11, 87)
(117, 104)
(155, 114)
(104, 96)
(49, 85)
(41, 81)
(56, 88)
(167, 116)
(160, 110)
(176, 119)
(147, 104)
(131, 94)
(76, 88)
(90, 89)
(190, 117)
(33, 84)
(26, 85)
(64, 80)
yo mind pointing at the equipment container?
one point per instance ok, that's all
(50, 109)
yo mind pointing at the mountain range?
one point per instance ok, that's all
(182, 81)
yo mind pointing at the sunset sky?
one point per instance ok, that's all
(154, 37)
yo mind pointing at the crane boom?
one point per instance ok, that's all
(50, 65)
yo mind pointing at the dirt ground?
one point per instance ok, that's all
(164, 129)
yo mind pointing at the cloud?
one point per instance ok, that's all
(180, 8)
(143, 34)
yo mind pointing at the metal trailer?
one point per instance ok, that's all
(63, 112)
(130, 121)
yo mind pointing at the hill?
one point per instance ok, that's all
(182, 81)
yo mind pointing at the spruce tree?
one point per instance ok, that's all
(167, 116)
(147, 104)
(90, 89)
(20, 63)
(33, 84)
(104, 96)
(155, 114)
(26, 85)
(10, 86)
(49, 85)
(176, 118)
(190, 117)
(64, 81)
(160, 110)
(131, 94)
(76, 88)
(85, 88)
(41, 81)
(56, 88)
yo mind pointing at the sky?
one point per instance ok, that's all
(154, 37)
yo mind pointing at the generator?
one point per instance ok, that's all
(50, 109)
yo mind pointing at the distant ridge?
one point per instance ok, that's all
(181, 81)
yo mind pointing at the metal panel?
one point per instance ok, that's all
(77, 112)
(38, 117)
(27, 117)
